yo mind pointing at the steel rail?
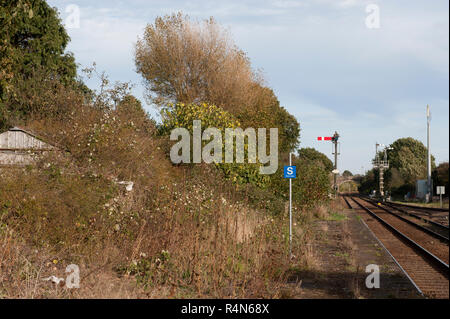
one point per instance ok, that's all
(417, 216)
(393, 258)
(400, 209)
(441, 265)
(346, 201)
(424, 229)
(433, 209)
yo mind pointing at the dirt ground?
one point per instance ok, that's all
(342, 248)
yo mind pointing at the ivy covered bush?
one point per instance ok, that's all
(182, 115)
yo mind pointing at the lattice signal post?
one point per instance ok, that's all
(334, 139)
(381, 164)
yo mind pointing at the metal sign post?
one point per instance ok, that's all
(290, 172)
(290, 209)
(429, 195)
(440, 190)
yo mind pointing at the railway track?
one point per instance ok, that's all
(429, 226)
(432, 209)
(346, 202)
(422, 253)
(431, 214)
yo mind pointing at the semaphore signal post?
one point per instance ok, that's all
(381, 164)
(334, 139)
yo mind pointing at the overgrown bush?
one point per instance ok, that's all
(185, 61)
(182, 231)
(182, 116)
(310, 188)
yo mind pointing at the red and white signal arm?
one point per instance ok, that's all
(324, 138)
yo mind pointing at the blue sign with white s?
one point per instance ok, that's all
(290, 172)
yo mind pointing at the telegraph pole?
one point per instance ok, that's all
(429, 187)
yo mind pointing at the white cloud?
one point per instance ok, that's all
(289, 4)
(348, 3)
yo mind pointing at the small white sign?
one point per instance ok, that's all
(440, 190)
(335, 171)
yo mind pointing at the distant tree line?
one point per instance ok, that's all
(407, 164)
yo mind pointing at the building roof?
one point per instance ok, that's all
(16, 128)
(42, 145)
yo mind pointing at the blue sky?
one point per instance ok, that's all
(326, 67)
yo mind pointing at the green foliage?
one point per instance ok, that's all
(289, 129)
(184, 61)
(349, 186)
(34, 33)
(407, 164)
(182, 115)
(311, 186)
(440, 176)
(149, 270)
(264, 199)
(264, 110)
(394, 178)
(32, 38)
(39, 96)
(347, 173)
(312, 155)
(409, 156)
(335, 216)
(131, 107)
(369, 182)
(55, 208)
